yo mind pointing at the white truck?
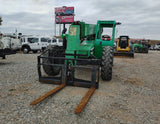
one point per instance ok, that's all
(55, 42)
(36, 43)
(157, 46)
(4, 50)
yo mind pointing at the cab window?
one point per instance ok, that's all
(33, 40)
(60, 40)
(54, 41)
(44, 39)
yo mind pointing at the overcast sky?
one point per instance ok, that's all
(139, 18)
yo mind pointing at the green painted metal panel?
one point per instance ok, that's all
(73, 41)
(99, 43)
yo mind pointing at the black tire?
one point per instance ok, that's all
(145, 50)
(107, 62)
(136, 49)
(50, 70)
(43, 49)
(35, 51)
(112, 50)
(25, 50)
(131, 54)
(3, 57)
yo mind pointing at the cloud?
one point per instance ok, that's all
(32, 6)
(27, 16)
(28, 21)
(139, 18)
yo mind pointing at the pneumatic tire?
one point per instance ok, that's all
(3, 57)
(25, 50)
(136, 49)
(112, 51)
(107, 63)
(35, 51)
(48, 69)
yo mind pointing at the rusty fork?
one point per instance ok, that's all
(41, 98)
(84, 100)
(80, 106)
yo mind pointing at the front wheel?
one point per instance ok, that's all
(136, 49)
(107, 62)
(52, 52)
(25, 50)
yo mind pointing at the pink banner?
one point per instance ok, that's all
(64, 19)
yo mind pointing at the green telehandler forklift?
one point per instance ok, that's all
(83, 45)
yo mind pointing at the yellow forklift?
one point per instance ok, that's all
(124, 47)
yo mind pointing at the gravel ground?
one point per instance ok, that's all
(132, 96)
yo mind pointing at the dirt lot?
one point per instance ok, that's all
(132, 96)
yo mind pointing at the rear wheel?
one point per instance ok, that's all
(52, 52)
(107, 62)
(145, 50)
(35, 51)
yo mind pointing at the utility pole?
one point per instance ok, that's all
(59, 29)
(54, 29)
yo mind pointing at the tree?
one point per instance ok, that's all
(1, 20)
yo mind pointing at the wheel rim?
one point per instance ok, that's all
(25, 50)
(136, 49)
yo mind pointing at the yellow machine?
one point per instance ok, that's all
(124, 47)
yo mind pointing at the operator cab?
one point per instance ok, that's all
(124, 47)
(123, 42)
